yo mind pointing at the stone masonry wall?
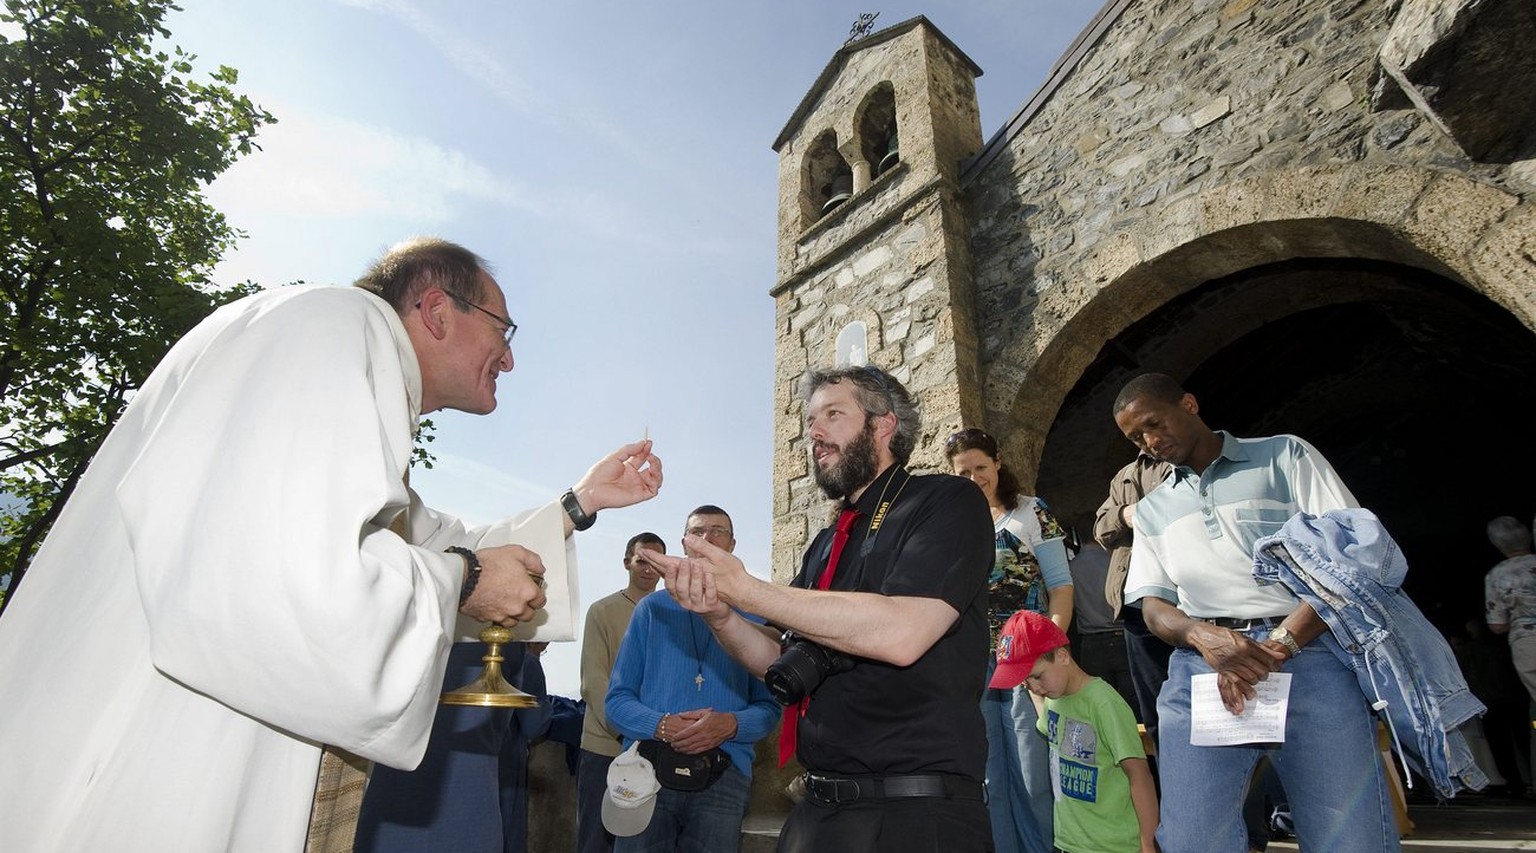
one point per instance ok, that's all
(1208, 110)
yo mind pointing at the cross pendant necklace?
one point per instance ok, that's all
(693, 637)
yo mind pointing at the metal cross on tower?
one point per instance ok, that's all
(861, 27)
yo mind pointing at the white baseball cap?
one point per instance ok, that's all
(632, 789)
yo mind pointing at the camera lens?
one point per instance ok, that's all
(793, 676)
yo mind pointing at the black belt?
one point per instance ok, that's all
(1247, 624)
(836, 790)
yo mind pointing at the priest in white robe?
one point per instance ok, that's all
(223, 594)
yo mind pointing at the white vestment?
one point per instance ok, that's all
(221, 594)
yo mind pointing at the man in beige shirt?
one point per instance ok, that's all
(607, 619)
(1113, 528)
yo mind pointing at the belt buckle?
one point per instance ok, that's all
(847, 790)
(832, 791)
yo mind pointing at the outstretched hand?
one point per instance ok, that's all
(624, 477)
(694, 582)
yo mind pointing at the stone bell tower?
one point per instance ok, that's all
(873, 262)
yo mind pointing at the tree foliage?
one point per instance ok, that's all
(106, 145)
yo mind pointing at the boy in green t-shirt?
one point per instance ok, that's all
(1099, 809)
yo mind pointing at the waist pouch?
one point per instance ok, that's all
(682, 772)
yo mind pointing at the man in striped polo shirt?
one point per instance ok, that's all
(1192, 574)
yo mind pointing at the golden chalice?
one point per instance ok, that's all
(491, 689)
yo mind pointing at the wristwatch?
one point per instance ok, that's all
(1282, 635)
(580, 519)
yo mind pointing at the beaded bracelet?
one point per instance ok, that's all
(471, 571)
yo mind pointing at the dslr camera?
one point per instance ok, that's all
(801, 668)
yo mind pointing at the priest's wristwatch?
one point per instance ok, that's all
(1282, 635)
(580, 518)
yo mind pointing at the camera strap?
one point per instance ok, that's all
(879, 517)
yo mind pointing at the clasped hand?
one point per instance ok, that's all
(1240, 663)
(701, 730)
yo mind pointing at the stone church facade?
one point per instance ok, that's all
(1318, 214)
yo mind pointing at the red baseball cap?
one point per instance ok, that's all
(1025, 637)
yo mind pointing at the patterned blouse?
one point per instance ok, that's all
(1031, 560)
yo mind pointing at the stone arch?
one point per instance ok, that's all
(826, 179)
(1446, 224)
(876, 129)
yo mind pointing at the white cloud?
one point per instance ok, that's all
(463, 53)
(320, 173)
(487, 493)
(325, 167)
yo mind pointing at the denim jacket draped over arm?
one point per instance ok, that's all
(1346, 565)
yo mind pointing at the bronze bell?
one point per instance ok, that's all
(839, 190)
(891, 158)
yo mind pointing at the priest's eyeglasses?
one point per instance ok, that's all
(510, 327)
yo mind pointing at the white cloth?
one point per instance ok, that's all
(221, 594)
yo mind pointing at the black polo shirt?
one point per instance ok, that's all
(935, 541)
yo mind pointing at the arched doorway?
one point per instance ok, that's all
(1409, 382)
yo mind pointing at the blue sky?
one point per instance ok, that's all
(612, 162)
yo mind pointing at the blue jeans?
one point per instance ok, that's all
(591, 788)
(707, 821)
(1328, 765)
(1018, 771)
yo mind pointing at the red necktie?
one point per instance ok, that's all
(789, 735)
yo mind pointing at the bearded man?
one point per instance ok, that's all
(885, 655)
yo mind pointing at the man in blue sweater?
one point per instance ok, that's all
(697, 713)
